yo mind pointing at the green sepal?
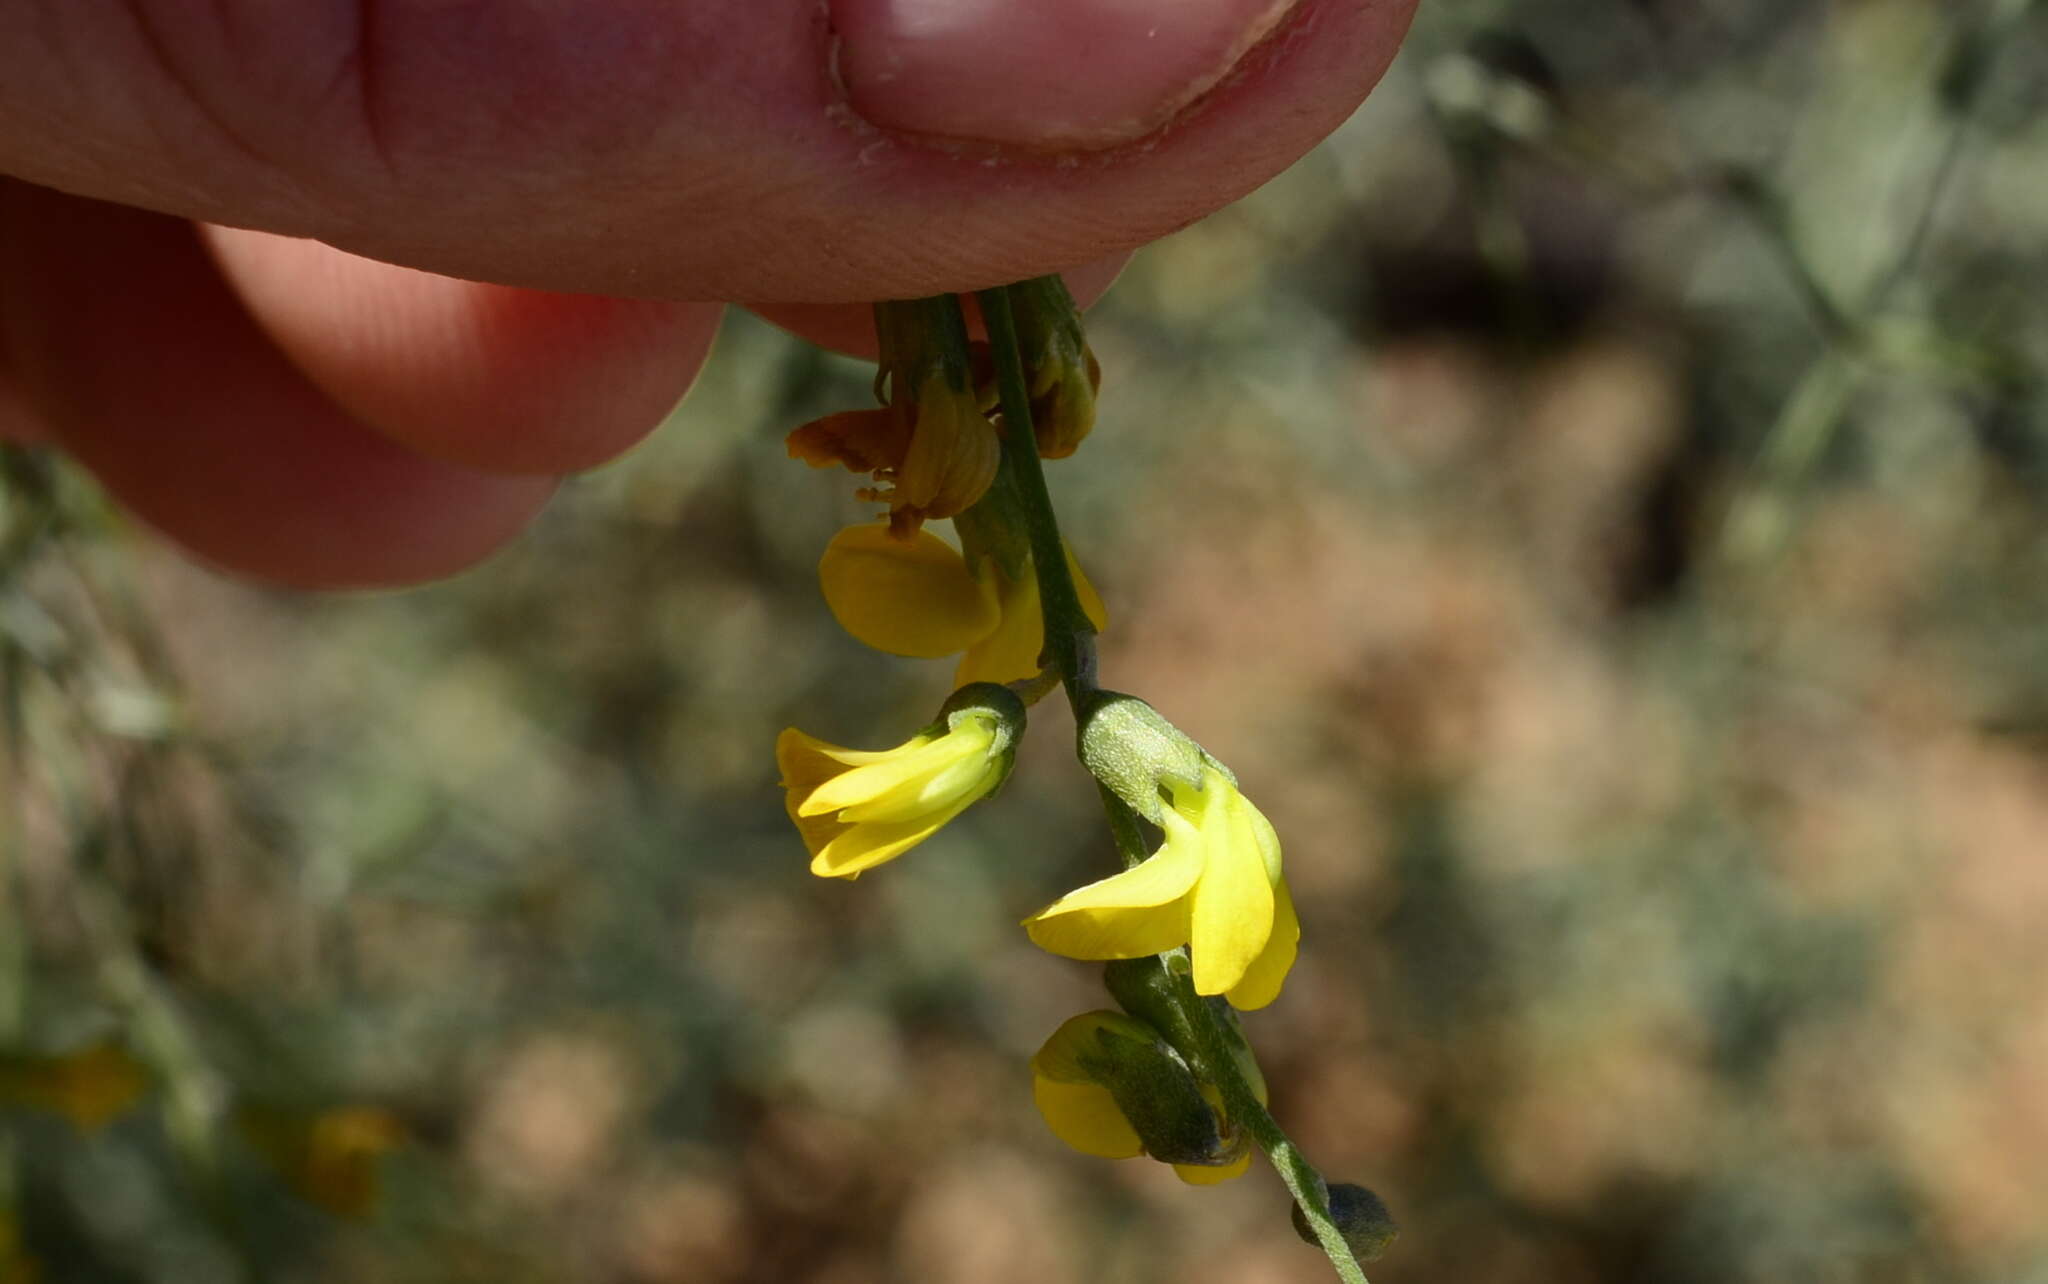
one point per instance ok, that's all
(993, 528)
(993, 702)
(1159, 990)
(1134, 752)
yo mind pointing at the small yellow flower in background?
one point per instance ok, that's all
(1070, 1084)
(916, 597)
(857, 809)
(89, 1087)
(329, 1157)
(1214, 885)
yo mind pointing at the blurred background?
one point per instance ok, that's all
(1598, 503)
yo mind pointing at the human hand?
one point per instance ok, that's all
(203, 206)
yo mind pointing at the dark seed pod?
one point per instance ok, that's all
(1361, 1217)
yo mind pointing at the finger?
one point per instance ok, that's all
(486, 376)
(133, 351)
(18, 422)
(850, 327)
(722, 149)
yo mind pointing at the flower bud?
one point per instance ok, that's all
(1061, 371)
(1360, 1216)
(1110, 1085)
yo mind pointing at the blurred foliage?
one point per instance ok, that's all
(1598, 502)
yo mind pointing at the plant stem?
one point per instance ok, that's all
(1300, 1177)
(1070, 649)
(1069, 634)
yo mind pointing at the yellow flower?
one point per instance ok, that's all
(89, 1087)
(1214, 885)
(916, 597)
(857, 809)
(329, 1157)
(1070, 1079)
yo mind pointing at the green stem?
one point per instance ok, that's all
(1069, 633)
(1302, 1180)
(1070, 649)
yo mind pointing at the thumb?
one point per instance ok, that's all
(770, 150)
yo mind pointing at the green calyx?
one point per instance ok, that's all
(994, 706)
(1159, 990)
(1136, 753)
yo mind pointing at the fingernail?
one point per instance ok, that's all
(1053, 75)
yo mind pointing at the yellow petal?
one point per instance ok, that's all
(895, 778)
(1085, 1116)
(953, 454)
(1230, 913)
(1080, 1111)
(1262, 980)
(807, 764)
(1010, 651)
(968, 777)
(905, 596)
(1263, 834)
(865, 441)
(1198, 1175)
(857, 848)
(1129, 915)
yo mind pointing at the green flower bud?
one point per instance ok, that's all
(1361, 1217)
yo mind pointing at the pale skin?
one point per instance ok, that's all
(242, 243)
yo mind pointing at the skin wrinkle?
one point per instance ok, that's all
(190, 88)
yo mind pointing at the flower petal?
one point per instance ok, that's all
(1198, 1175)
(1230, 913)
(1086, 1117)
(970, 775)
(896, 778)
(807, 762)
(909, 597)
(857, 848)
(1262, 980)
(1141, 911)
(1010, 650)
